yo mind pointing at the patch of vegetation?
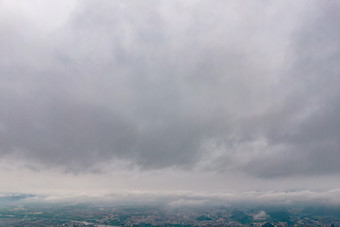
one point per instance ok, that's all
(203, 218)
(241, 217)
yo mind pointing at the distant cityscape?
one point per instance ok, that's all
(158, 215)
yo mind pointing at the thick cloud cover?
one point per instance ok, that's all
(222, 86)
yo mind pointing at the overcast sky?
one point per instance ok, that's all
(165, 96)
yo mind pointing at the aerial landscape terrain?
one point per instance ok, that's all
(18, 212)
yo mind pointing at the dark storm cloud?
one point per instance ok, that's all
(226, 86)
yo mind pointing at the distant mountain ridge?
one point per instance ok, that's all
(11, 197)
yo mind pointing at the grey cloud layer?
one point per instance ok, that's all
(186, 199)
(226, 86)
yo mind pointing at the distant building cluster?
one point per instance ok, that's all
(90, 215)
